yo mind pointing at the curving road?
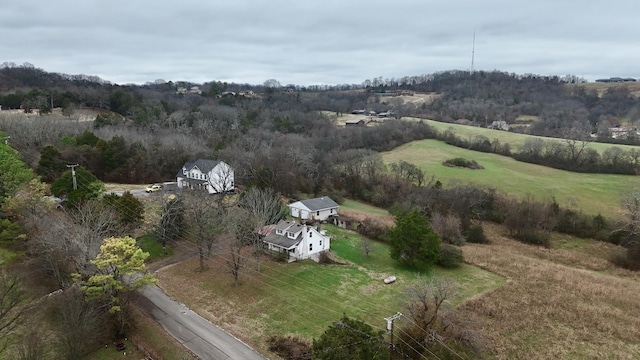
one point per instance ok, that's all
(204, 339)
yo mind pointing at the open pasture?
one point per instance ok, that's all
(515, 140)
(592, 193)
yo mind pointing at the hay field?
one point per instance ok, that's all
(556, 303)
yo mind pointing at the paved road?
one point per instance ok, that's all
(134, 192)
(204, 339)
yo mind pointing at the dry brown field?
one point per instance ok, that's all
(568, 302)
(634, 87)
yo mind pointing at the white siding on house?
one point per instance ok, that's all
(301, 211)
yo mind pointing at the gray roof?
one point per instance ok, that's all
(205, 165)
(283, 240)
(320, 203)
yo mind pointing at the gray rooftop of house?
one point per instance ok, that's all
(205, 165)
(283, 240)
(320, 203)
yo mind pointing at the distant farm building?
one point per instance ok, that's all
(616, 80)
(359, 122)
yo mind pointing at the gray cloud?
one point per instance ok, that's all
(318, 41)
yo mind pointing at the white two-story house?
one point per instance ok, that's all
(318, 209)
(212, 175)
(296, 241)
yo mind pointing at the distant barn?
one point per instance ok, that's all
(359, 122)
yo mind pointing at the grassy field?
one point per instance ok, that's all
(304, 297)
(515, 140)
(593, 193)
(351, 205)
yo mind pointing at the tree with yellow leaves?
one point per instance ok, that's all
(120, 271)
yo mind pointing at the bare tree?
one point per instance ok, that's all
(425, 301)
(262, 207)
(34, 344)
(15, 305)
(448, 228)
(529, 220)
(408, 172)
(366, 246)
(242, 230)
(95, 222)
(631, 215)
(80, 325)
(235, 260)
(205, 219)
(171, 223)
(51, 251)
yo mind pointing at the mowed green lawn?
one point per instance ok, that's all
(515, 140)
(593, 193)
(325, 292)
(304, 297)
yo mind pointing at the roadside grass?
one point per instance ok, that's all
(109, 352)
(304, 297)
(557, 303)
(149, 243)
(149, 339)
(515, 140)
(592, 193)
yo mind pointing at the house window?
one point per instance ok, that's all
(310, 234)
(320, 242)
(318, 213)
(279, 232)
(310, 246)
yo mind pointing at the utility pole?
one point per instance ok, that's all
(473, 53)
(73, 173)
(390, 320)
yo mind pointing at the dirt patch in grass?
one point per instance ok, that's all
(555, 304)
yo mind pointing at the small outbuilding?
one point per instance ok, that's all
(354, 122)
(318, 209)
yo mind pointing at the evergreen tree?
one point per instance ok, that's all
(413, 241)
(350, 339)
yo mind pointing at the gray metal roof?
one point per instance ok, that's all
(320, 203)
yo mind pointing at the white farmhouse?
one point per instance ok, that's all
(212, 175)
(318, 209)
(296, 241)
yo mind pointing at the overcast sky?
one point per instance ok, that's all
(308, 42)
